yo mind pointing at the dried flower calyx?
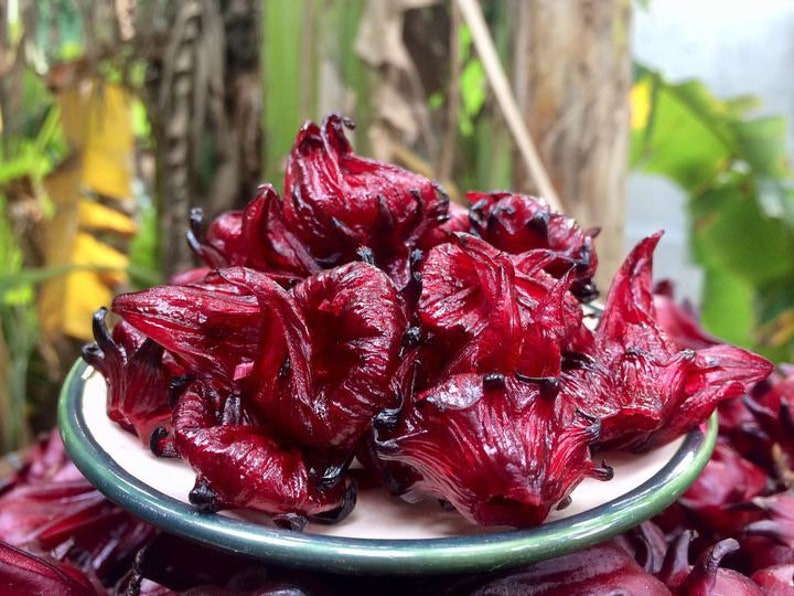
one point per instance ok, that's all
(360, 314)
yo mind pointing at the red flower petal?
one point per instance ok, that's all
(601, 569)
(241, 464)
(338, 203)
(60, 511)
(210, 326)
(329, 353)
(727, 481)
(494, 447)
(519, 224)
(25, 573)
(647, 390)
(137, 381)
(255, 237)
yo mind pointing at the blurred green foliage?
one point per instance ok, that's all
(733, 167)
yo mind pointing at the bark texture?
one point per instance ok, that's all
(204, 102)
(572, 75)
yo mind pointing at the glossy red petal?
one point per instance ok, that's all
(60, 511)
(329, 355)
(628, 319)
(136, 378)
(601, 569)
(648, 390)
(518, 224)
(468, 309)
(242, 465)
(496, 448)
(25, 573)
(728, 480)
(210, 326)
(255, 237)
(338, 203)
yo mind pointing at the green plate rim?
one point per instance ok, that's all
(487, 552)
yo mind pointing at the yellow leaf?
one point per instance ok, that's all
(86, 291)
(61, 232)
(77, 314)
(63, 183)
(640, 99)
(72, 103)
(97, 123)
(67, 302)
(109, 151)
(91, 252)
(779, 331)
(96, 216)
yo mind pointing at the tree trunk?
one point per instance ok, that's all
(203, 100)
(572, 74)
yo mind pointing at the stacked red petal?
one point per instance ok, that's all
(361, 314)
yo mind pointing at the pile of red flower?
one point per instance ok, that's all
(362, 316)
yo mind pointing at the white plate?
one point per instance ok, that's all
(383, 533)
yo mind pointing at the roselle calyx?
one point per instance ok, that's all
(337, 202)
(479, 314)
(778, 524)
(136, 378)
(241, 466)
(644, 387)
(494, 447)
(520, 224)
(255, 237)
(777, 579)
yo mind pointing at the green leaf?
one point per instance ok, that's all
(473, 92)
(775, 334)
(727, 310)
(683, 140)
(144, 267)
(741, 202)
(731, 232)
(26, 277)
(762, 144)
(283, 68)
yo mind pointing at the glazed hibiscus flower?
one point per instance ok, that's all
(468, 309)
(255, 237)
(240, 465)
(339, 205)
(478, 314)
(494, 447)
(308, 369)
(328, 353)
(138, 381)
(645, 389)
(519, 224)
